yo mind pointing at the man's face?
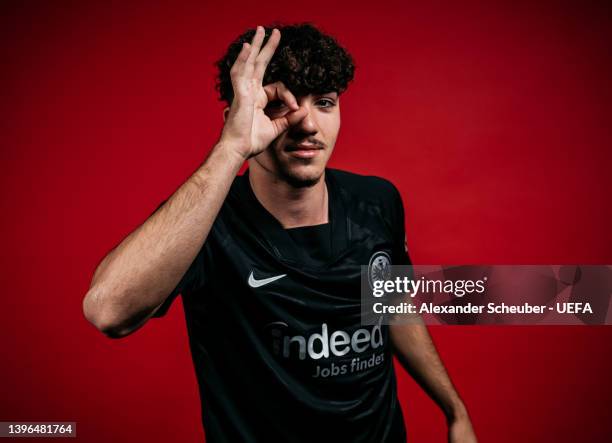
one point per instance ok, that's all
(299, 155)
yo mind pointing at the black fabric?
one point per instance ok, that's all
(273, 318)
(316, 241)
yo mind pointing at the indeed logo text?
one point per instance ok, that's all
(323, 343)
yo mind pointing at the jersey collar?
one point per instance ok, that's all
(279, 240)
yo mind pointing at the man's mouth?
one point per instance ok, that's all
(303, 150)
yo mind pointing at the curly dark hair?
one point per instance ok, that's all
(306, 60)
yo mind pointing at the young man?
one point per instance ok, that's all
(268, 263)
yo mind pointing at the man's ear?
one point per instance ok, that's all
(225, 112)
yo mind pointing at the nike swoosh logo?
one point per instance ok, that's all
(254, 283)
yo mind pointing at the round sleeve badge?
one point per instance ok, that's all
(379, 267)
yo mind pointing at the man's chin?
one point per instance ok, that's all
(300, 178)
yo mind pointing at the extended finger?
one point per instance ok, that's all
(278, 91)
(256, 43)
(241, 59)
(264, 57)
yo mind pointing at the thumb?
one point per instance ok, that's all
(290, 119)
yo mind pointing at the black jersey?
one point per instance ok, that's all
(273, 318)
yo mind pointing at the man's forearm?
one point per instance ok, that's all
(417, 353)
(137, 275)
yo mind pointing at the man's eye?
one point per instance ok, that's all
(326, 103)
(275, 104)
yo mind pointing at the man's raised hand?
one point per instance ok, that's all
(247, 127)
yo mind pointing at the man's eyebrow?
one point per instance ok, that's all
(334, 93)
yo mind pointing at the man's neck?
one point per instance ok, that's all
(292, 207)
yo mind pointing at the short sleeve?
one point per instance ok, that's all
(400, 245)
(191, 280)
(188, 283)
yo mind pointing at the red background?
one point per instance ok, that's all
(492, 118)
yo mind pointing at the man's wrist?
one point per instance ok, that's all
(456, 411)
(222, 162)
(234, 148)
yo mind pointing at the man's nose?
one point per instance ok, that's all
(307, 125)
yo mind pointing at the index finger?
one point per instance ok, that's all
(278, 90)
(256, 43)
(264, 57)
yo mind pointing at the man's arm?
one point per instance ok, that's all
(417, 353)
(135, 278)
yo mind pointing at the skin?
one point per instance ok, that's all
(263, 125)
(417, 354)
(288, 181)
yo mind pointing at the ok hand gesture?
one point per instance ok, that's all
(247, 127)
